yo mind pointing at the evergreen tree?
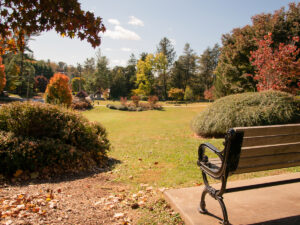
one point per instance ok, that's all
(165, 46)
(119, 84)
(187, 63)
(208, 62)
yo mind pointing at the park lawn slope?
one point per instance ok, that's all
(155, 147)
(158, 147)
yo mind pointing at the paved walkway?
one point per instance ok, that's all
(273, 205)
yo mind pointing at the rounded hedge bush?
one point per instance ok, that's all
(37, 137)
(247, 109)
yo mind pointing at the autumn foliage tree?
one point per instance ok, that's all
(276, 68)
(176, 94)
(234, 64)
(28, 17)
(209, 93)
(2, 76)
(144, 76)
(58, 90)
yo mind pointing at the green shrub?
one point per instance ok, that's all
(34, 136)
(118, 107)
(247, 109)
(131, 107)
(81, 105)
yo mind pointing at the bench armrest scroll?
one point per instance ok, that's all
(203, 161)
(201, 151)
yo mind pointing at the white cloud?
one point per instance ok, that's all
(126, 49)
(114, 21)
(173, 41)
(120, 33)
(118, 62)
(108, 49)
(135, 21)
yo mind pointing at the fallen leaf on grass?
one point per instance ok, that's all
(149, 189)
(119, 215)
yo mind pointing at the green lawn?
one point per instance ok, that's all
(154, 147)
(158, 147)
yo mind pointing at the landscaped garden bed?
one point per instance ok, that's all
(136, 104)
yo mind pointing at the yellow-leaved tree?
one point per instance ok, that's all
(144, 76)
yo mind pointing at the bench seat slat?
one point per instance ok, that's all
(215, 164)
(266, 167)
(269, 160)
(269, 130)
(261, 151)
(273, 139)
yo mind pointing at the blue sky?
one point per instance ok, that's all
(136, 26)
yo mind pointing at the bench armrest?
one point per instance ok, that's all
(203, 161)
(201, 150)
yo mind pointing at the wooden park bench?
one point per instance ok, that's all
(248, 149)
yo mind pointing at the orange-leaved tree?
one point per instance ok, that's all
(58, 90)
(2, 76)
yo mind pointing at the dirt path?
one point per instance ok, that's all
(85, 199)
(94, 199)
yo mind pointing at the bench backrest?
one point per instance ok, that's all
(269, 147)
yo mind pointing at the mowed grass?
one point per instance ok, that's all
(154, 147)
(158, 147)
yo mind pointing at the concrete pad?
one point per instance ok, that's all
(279, 204)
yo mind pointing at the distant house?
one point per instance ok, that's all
(100, 94)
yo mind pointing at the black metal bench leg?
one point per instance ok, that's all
(216, 194)
(224, 211)
(202, 208)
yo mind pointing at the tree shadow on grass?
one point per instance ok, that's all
(111, 163)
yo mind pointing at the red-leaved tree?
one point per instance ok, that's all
(2, 76)
(209, 93)
(276, 68)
